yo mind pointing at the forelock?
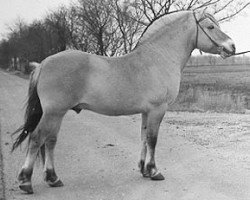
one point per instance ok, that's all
(211, 17)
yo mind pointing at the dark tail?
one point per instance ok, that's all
(33, 112)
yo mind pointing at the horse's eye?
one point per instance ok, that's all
(211, 27)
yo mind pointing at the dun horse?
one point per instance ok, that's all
(144, 81)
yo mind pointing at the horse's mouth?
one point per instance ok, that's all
(225, 53)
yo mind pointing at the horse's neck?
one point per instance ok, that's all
(174, 47)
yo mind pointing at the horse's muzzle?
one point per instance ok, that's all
(227, 51)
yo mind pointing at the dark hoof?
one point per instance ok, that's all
(57, 183)
(157, 177)
(26, 188)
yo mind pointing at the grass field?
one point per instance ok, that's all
(223, 88)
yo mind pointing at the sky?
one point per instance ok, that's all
(28, 10)
(239, 30)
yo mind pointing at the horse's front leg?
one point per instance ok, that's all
(143, 144)
(154, 119)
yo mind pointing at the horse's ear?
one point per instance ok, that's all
(200, 14)
(204, 10)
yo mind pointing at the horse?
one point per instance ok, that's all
(144, 81)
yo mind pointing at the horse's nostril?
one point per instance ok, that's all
(233, 48)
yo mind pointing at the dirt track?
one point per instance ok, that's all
(203, 156)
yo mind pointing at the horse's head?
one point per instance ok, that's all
(210, 38)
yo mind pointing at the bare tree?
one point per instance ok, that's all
(152, 9)
(127, 18)
(58, 26)
(78, 37)
(225, 9)
(96, 17)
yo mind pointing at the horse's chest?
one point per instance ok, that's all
(167, 90)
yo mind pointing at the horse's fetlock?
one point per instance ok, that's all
(25, 175)
(50, 175)
(52, 179)
(150, 166)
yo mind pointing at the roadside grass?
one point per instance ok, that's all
(218, 89)
(16, 73)
(2, 183)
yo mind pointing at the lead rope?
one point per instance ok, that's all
(240, 53)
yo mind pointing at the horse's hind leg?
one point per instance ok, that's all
(46, 126)
(24, 176)
(153, 123)
(36, 139)
(49, 169)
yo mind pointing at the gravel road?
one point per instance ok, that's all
(203, 156)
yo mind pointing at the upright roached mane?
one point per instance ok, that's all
(153, 26)
(144, 81)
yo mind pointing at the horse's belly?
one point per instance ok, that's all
(109, 109)
(104, 97)
(116, 112)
